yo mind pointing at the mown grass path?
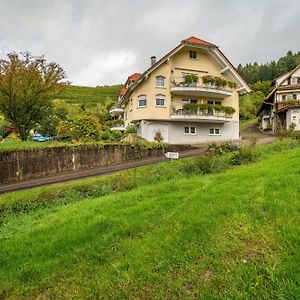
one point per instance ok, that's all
(233, 235)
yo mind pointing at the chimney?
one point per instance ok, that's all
(153, 60)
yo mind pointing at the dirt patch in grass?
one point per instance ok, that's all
(206, 275)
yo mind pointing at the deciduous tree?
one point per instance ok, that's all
(27, 86)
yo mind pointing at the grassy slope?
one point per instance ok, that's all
(90, 96)
(21, 145)
(229, 235)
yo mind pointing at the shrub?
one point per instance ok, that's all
(290, 132)
(215, 149)
(201, 165)
(106, 135)
(116, 135)
(131, 128)
(244, 156)
(81, 127)
(3, 125)
(13, 136)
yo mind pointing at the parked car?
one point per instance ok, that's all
(41, 138)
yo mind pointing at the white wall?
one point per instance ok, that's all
(175, 131)
(293, 115)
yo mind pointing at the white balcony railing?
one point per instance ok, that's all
(116, 111)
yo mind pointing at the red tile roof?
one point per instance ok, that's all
(123, 90)
(134, 76)
(195, 40)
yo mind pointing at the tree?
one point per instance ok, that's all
(269, 71)
(263, 86)
(27, 86)
(81, 127)
(249, 104)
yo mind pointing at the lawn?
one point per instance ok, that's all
(231, 235)
(22, 145)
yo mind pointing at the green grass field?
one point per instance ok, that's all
(231, 235)
(89, 96)
(23, 145)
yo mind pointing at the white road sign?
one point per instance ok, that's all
(172, 155)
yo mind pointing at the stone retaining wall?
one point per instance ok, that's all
(33, 163)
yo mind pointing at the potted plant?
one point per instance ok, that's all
(191, 79)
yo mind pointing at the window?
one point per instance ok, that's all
(213, 102)
(214, 131)
(190, 130)
(142, 101)
(189, 101)
(294, 80)
(160, 100)
(160, 81)
(193, 54)
(283, 97)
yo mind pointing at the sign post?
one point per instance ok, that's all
(172, 155)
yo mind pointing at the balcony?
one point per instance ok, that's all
(179, 86)
(116, 111)
(281, 106)
(200, 116)
(118, 128)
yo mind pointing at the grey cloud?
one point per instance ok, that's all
(102, 42)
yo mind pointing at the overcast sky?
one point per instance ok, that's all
(102, 42)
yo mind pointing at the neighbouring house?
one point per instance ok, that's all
(191, 95)
(281, 107)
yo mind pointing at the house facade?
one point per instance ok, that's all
(191, 95)
(281, 107)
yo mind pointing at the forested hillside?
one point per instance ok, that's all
(261, 72)
(260, 77)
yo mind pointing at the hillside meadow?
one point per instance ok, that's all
(90, 96)
(232, 234)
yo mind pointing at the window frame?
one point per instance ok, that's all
(189, 101)
(214, 131)
(193, 54)
(142, 98)
(164, 81)
(294, 80)
(190, 130)
(160, 97)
